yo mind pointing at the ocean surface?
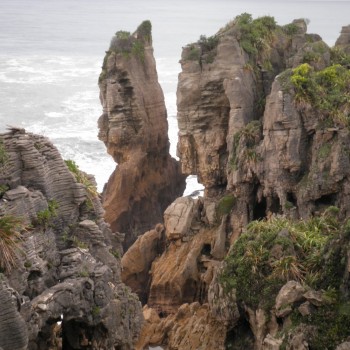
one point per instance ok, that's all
(51, 54)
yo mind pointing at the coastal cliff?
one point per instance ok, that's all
(134, 128)
(262, 261)
(60, 283)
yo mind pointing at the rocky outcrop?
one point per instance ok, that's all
(63, 287)
(134, 128)
(343, 42)
(266, 147)
(191, 328)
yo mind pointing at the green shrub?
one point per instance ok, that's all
(144, 31)
(290, 29)
(194, 53)
(250, 135)
(82, 178)
(44, 217)
(10, 237)
(208, 43)
(255, 36)
(225, 205)
(338, 56)
(3, 189)
(257, 273)
(327, 90)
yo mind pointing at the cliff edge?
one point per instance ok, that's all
(262, 261)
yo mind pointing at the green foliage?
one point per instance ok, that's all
(208, 43)
(82, 178)
(225, 205)
(314, 52)
(206, 47)
(126, 44)
(338, 56)
(3, 189)
(193, 54)
(138, 50)
(3, 154)
(10, 237)
(333, 323)
(290, 29)
(144, 31)
(44, 217)
(327, 90)
(325, 150)
(116, 254)
(96, 310)
(250, 135)
(122, 35)
(255, 36)
(263, 259)
(78, 243)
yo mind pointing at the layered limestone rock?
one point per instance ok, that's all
(134, 128)
(343, 42)
(62, 288)
(267, 148)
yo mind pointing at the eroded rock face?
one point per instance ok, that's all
(192, 328)
(343, 42)
(134, 128)
(260, 153)
(64, 289)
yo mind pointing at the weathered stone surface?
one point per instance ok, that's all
(305, 309)
(136, 262)
(343, 346)
(178, 217)
(191, 328)
(223, 306)
(343, 41)
(65, 267)
(135, 130)
(291, 292)
(314, 297)
(13, 330)
(271, 343)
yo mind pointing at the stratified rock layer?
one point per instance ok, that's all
(135, 130)
(260, 151)
(65, 288)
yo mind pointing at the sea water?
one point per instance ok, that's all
(51, 54)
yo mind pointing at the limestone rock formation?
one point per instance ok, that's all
(60, 283)
(191, 328)
(263, 121)
(134, 128)
(343, 42)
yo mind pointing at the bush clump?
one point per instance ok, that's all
(3, 154)
(132, 44)
(255, 36)
(10, 237)
(44, 217)
(225, 205)
(82, 178)
(328, 90)
(276, 250)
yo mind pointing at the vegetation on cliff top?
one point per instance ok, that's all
(327, 90)
(132, 44)
(127, 44)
